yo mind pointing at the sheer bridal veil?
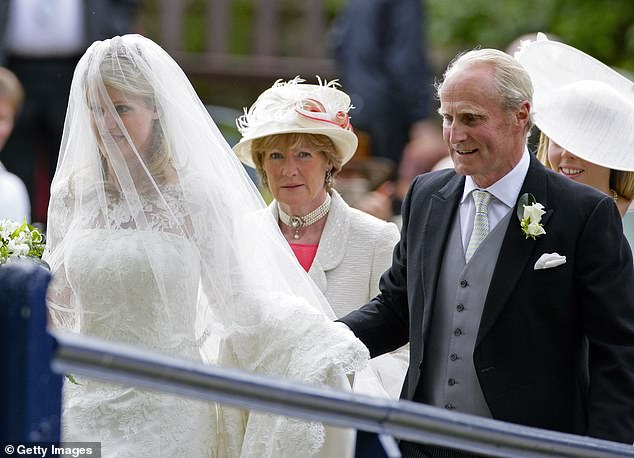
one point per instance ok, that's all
(154, 224)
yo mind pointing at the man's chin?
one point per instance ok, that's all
(462, 169)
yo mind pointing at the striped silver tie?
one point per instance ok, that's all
(480, 221)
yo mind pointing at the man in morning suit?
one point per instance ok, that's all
(494, 330)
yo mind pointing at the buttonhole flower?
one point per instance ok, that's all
(530, 212)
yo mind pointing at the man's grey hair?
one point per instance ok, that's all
(511, 79)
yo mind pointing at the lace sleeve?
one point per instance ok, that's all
(60, 300)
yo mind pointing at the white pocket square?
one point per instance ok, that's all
(548, 260)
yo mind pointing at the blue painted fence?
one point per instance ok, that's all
(30, 393)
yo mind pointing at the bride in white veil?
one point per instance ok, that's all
(158, 238)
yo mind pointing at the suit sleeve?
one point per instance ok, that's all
(605, 279)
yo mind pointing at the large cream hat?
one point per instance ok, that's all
(292, 106)
(580, 103)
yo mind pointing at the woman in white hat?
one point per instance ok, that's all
(298, 136)
(585, 112)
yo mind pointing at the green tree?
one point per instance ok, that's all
(601, 28)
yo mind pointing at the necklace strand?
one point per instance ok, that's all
(297, 222)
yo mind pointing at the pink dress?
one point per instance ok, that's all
(305, 254)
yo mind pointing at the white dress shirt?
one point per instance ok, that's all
(505, 192)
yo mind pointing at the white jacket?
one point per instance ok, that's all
(355, 249)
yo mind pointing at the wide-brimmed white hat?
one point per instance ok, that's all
(580, 103)
(292, 106)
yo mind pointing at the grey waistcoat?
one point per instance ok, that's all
(448, 378)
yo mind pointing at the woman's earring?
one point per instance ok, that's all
(328, 178)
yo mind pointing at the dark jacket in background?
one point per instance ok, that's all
(380, 51)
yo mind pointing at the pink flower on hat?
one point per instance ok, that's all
(315, 110)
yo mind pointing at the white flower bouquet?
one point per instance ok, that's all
(20, 241)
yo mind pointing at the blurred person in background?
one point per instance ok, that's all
(379, 47)
(585, 112)
(14, 198)
(41, 41)
(420, 155)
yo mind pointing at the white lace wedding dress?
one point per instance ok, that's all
(122, 300)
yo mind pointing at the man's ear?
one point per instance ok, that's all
(523, 114)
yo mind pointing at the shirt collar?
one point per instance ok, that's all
(507, 188)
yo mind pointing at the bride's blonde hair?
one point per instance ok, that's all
(118, 71)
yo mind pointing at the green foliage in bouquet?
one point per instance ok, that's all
(20, 240)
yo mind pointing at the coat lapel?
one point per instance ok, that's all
(515, 252)
(440, 214)
(332, 244)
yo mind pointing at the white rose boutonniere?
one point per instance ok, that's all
(530, 212)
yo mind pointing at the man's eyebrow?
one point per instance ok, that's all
(468, 111)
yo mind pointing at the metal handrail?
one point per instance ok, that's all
(403, 419)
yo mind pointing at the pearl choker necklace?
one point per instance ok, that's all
(302, 221)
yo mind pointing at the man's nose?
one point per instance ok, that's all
(456, 133)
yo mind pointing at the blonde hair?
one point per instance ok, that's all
(120, 72)
(11, 88)
(621, 181)
(295, 140)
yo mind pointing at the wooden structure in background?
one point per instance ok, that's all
(267, 58)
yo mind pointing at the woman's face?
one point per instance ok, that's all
(136, 119)
(296, 178)
(562, 161)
